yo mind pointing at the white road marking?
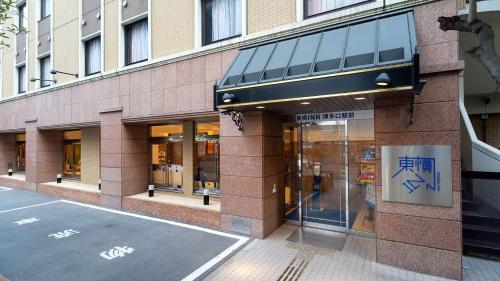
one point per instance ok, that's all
(117, 252)
(5, 188)
(26, 221)
(63, 234)
(198, 272)
(31, 206)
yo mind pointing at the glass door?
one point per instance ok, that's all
(72, 158)
(324, 175)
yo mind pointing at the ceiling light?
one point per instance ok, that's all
(260, 107)
(360, 98)
(383, 80)
(227, 98)
(305, 103)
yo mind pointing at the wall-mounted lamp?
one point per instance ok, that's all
(53, 71)
(383, 80)
(227, 98)
(33, 79)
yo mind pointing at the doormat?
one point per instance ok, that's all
(319, 238)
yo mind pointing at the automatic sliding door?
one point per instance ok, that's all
(324, 175)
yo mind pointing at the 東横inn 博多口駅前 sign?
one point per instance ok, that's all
(420, 174)
(334, 116)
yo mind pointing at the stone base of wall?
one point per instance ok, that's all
(187, 214)
(7, 182)
(84, 196)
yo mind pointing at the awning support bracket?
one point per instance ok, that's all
(237, 118)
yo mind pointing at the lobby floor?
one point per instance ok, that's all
(277, 258)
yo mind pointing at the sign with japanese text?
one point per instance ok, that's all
(333, 116)
(417, 174)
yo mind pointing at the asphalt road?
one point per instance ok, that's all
(46, 238)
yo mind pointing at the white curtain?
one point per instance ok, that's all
(93, 56)
(138, 42)
(226, 19)
(320, 6)
(47, 7)
(45, 71)
(22, 79)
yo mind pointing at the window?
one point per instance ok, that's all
(166, 156)
(44, 71)
(93, 56)
(221, 20)
(45, 8)
(136, 42)
(206, 157)
(315, 7)
(21, 79)
(22, 20)
(20, 152)
(72, 153)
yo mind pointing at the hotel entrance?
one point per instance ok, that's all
(329, 178)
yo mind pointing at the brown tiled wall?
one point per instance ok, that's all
(43, 155)
(123, 159)
(72, 194)
(7, 152)
(14, 183)
(417, 237)
(250, 167)
(192, 215)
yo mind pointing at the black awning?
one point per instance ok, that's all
(338, 60)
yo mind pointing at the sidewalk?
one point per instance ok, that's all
(276, 258)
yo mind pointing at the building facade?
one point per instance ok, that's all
(280, 110)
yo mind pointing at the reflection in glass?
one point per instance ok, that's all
(166, 157)
(72, 154)
(20, 153)
(206, 157)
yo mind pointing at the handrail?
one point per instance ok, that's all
(485, 148)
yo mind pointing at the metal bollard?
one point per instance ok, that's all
(59, 178)
(99, 184)
(206, 196)
(10, 172)
(151, 190)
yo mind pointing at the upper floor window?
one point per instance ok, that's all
(221, 20)
(45, 8)
(44, 71)
(316, 7)
(136, 42)
(22, 20)
(93, 56)
(21, 79)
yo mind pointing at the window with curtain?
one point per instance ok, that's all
(315, 7)
(44, 71)
(221, 20)
(136, 42)
(22, 20)
(45, 8)
(21, 79)
(93, 56)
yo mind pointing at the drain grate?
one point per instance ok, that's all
(297, 266)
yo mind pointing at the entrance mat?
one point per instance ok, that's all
(325, 216)
(319, 238)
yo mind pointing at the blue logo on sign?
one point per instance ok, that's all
(418, 172)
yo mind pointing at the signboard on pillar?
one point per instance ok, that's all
(417, 174)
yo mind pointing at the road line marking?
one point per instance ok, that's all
(116, 252)
(5, 188)
(198, 272)
(63, 234)
(199, 228)
(211, 263)
(26, 221)
(31, 206)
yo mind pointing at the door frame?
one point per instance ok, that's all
(301, 221)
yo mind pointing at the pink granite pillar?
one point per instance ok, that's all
(44, 155)
(251, 175)
(417, 237)
(7, 152)
(123, 159)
